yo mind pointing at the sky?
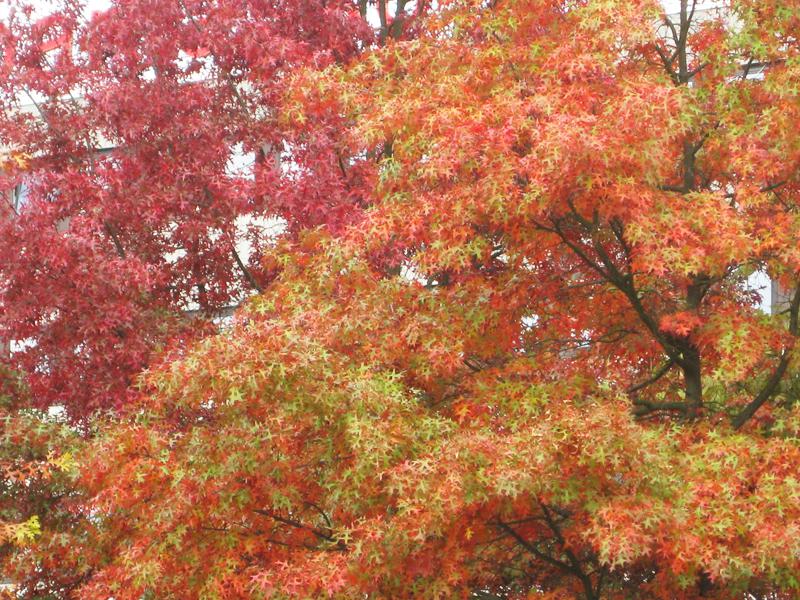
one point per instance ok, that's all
(673, 6)
(47, 6)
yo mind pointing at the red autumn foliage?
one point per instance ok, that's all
(506, 345)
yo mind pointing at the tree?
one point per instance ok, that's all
(533, 367)
(112, 248)
(149, 145)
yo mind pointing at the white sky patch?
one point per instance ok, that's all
(47, 7)
(760, 283)
(674, 6)
(241, 163)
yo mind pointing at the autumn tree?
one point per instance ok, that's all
(149, 145)
(144, 168)
(529, 363)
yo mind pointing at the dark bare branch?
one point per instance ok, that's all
(658, 374)
(771, 386)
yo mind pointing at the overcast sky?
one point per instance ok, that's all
(46, 6)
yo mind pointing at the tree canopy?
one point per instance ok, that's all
(502, 342)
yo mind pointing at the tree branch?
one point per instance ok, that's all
(624, 283)
(585, 579)
(667, 62)
(777, 375)
(533, 549)
(111, 231)
(659, 373)
(298, 525)
(245, 271)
